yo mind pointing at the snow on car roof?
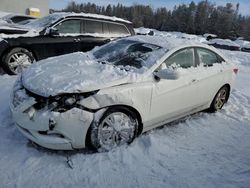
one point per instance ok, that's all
(164, 42)
(89, 15)
(2, 14)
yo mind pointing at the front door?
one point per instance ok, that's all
(177, 97)
(66, 41)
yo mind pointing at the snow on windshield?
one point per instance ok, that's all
(129, 54)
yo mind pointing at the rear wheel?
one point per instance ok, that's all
(220, 99)
(117, 126)
(16, 60)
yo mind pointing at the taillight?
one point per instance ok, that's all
(235, 70)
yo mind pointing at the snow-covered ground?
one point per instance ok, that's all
(202, 150)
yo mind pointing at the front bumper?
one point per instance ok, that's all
(68, 132)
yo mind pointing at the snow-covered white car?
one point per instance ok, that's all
(110, 95)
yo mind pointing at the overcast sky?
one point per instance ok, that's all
(244, 4)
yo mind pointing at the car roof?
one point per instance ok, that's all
(166, 42)
(89, 15)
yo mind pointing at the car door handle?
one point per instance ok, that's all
(77, 40)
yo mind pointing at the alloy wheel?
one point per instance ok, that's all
(116, 129)
(220, 99)
(19, 61)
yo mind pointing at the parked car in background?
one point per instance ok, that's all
(110, 95)
(244, 45)
(226, 44)
(210, 36)
(57, 34)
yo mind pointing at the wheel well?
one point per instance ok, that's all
(229, 89)
(131, 110)
(137, 114)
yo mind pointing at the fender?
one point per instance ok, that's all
(136, 95)
(4, 45)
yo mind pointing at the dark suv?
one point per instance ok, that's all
(57, 34)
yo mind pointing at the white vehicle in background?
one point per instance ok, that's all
(110, 95)
(226, 44)
(244, 44)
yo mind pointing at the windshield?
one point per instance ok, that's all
(44, 21)
(128, 53)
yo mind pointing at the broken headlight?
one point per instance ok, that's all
(61, 103)
(19, 94)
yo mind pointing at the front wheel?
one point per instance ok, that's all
(220, 99)
(16, 60)
(117, 126)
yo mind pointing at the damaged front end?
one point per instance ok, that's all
(58, 122)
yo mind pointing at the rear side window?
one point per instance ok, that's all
(92, 26)
(117, 29)
(69, 26)
(207, 57)
(183, 58)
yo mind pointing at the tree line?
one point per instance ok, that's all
(194, 18)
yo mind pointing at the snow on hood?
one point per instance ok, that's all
(72, 73)
(18, 31)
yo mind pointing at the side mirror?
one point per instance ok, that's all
(53, 32)
(167, 74)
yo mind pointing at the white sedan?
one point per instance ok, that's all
(112, 94)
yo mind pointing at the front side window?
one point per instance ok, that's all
(183, 58)
(92, 26)
(69, 26)
(207, 57)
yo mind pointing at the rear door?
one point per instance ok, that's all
(99, 32)
(93, 34)
(212, 74)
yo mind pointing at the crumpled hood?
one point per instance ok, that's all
(72, 73)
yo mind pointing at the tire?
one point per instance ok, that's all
(109, 132)
(16, 60)
(220, 99)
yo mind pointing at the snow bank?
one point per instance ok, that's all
(142, 30)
